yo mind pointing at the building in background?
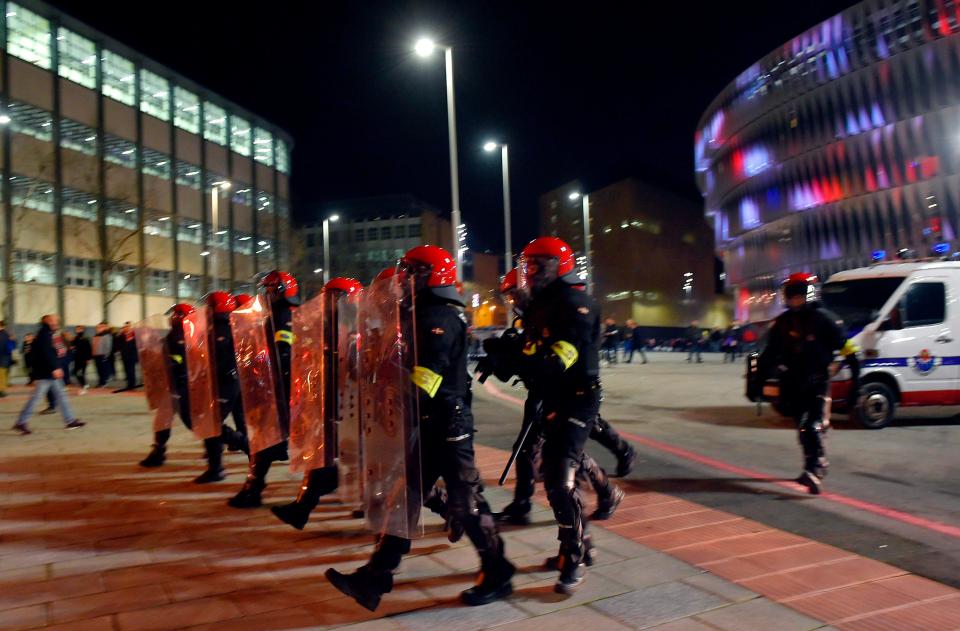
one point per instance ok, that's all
(653, 254)
(840, 145)
(108, 165)
(369, 234)
(481, 289)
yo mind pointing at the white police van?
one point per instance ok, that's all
(905, 317)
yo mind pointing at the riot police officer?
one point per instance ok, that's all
(283, 295)
(176, 361)
(802, 341)
(446, 429)
(562, 355)
(502, 360)
(221, 305)
(321, 480)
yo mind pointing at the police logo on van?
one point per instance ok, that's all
(925, 363)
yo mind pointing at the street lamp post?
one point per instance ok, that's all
(424, 48)
(326, 247)
(505, 165)
(585, 199)
(215, 189)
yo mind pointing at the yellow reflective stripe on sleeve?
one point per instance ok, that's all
(567, 353)
(849, 349)
(530, 348)
(426, 380)
(177, 358)
(284, 336)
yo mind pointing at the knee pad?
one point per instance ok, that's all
(462, 502)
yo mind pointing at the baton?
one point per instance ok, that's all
(517, 446)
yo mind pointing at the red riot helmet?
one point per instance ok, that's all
(511, 292)
(544, 260)
(799, 284)
(243, 300)
(509, 282)
(178, 312)
(279, 284)
(348, 286)
(386, 273)
(221, 302)
(432, 269)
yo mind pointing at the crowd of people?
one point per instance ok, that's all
(623, 343)
(53, 359)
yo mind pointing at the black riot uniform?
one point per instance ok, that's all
(562, 347)
(446, 447)
(176, 362)
(802, 342)
(280, 329)
(228, 384)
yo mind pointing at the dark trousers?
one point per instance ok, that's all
(610, 354)
(452, 460)
(80, 371)
(809, 404)
(130, 371)
(630, 350)
(697, 350)
(103, 370)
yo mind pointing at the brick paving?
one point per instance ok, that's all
(88, 540)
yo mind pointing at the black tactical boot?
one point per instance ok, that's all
(210, 475)
(625, 462)
(315, 484)
(589, 555)
(156, 457)
(365, 586)
(493, 582)
(812, 481)
(572, 575)
(250, 494)
(515, 513)
(607, 506)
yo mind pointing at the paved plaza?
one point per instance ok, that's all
(90, 541)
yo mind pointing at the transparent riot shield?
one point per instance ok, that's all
(389, 417)
(258, 374)
(347, 367)
(151, 338)
(200, 356)
(308, 383)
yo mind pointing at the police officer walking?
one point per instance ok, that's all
(221, 305)
(803, 340)
(446, 428)
(562, 350)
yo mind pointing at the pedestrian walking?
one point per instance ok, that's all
(694, 342)
(611, 338)
(128, 355)
(82, 354)
(632, 342)
(102, 353)
(7, 344)
(47, 351)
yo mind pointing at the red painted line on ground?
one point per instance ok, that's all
(869, 507)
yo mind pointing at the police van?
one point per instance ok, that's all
(905, 317)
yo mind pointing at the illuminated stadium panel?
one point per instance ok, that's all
(843, 142)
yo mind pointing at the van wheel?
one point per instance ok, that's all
(876, 405)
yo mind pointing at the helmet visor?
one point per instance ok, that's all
(416, 272)
(536, 272)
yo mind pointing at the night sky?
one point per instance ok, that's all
(600, 92)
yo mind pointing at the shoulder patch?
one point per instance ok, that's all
(437, 330)
(583, 310)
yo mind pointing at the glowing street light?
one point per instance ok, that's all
(215, 189)
(424, 47)
(490, 146)
(574, 196)
(326, 247)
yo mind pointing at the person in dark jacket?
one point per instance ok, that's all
(102, 353)
(633, 342)
(26, 352)
(611, 337)
(7, 344)
(694, 342)
(127, 345)
(47, 352)
(82, 354)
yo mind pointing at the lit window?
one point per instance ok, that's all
(187, 113)
(188, 174)
(263, 146)
(154, 95)
(243, 195)
(243, 242)
(190, 231)
(79, 204)
(119, 151)
(219, 238)
(240, 136)
(34, 267)
(78, 58)
(156, 163)
(160, 282)
(190, 286)
(118, 78)
(158, 224)
(81, 272)
(77, 136)
(28, 36)
(214, 123)
(264, 202)
(283, 157)
(122, 277)
(121, 215)
(32, 193)
(32, 121)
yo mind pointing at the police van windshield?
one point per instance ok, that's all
(858, 302)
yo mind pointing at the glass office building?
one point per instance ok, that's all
(841, 145)
(110, 166)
